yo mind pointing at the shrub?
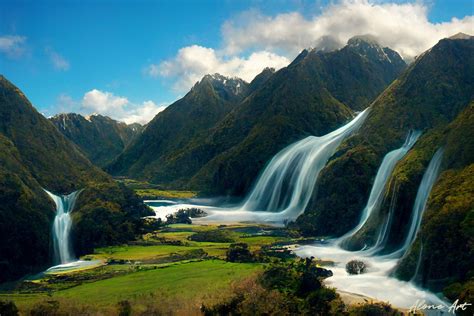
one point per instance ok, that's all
(356, 267)
(8, 308)
(217, 235)
(152, 224)
(292, 289)
(124, 308)
(194, 212)
(180, 217)
(49, 308)
(239, 252)
(373, 309)
(250, 298)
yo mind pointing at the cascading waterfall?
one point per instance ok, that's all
(424, 190)
(399, 293)
(384, 232)
(418, 264)
(62, 226)
(383, 175)
(284, 189)
(287, 183)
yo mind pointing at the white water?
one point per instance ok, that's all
(424, 190)
(263, 205)
(377, 283)
(62, 226)
(378, 188)
(284, 188)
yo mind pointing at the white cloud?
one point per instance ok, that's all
(103, 102)
(403, 27)
(193, 62)
(13, 46)
(57, 60)
(117, 107)
(144, 113)
(272, 41)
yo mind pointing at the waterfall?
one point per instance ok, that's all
(384, 232)
(62, 226)
(286, 184)
(418, 264)
(383, 175)
(424, 190)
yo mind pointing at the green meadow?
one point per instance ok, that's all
(161, 272)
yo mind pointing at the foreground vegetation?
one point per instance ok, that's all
(184, 269)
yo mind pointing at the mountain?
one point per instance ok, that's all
(99, 137)
(434, 95)
(315, 94)
(34, 156)
(179, 125)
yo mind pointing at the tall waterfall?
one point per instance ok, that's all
(62, 226)
(424, 190)
(377, 282)
(383, 175)
(286, 184)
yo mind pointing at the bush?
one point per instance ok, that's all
(49, 308)
(373, 309)
(293, 289)
(250, 298)
(152, 224)
(239, 252)
(194, 212)
(8, 308)
(124, 308)
(218, 235)
(180, 217)
(356, 267)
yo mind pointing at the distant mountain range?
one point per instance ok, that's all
(99, 137)
(218, 137)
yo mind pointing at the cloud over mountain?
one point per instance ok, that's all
(106, 103)
(193, 62)
(252, 41)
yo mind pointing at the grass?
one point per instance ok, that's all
(166, 194)
(193, 281)
(175, 274)
(149, 190)
(137, 253)
(186, 280)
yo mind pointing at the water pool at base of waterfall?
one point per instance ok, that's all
(375, 283)
(74, 265)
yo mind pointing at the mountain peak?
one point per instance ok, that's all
(367, 39)
(368, 46)
(461, 35)
(226, 87)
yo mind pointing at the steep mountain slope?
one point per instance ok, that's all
(431, 93)
(33, 156)
(312, 96)
(448, 220)
(99, 137)
(171, 130)
(434, 96)
(54, 161)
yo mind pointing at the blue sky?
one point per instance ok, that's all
(129, 59)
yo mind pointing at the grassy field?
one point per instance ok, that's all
(164, 266)
(148, 190)
(148, 194)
